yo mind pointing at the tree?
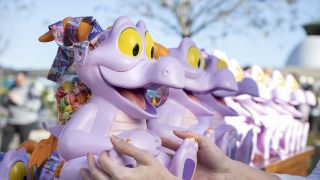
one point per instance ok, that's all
(190, 17)
(11, 13)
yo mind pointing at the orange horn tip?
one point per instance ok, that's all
(83, 32)
(46, 37)
(160, 50)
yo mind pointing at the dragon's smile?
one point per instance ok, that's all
(221, 101)
(191, 96)
(135, 96)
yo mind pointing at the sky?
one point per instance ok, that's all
(23, 28)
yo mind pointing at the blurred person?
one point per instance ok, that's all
(212, 164)
(315, 114)
(23, 103)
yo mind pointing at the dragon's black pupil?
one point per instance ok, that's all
(152, 52)
(199, 62)
(25, 178)
(135, 50)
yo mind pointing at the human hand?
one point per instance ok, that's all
(13, 97)
(212, 162)
(148, 167)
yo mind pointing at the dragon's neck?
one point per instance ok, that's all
(123, 122)
(190, 119)
(118, 120)
(106, 112)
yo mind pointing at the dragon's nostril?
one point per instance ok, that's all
(166, 72)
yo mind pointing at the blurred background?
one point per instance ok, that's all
(275, 34)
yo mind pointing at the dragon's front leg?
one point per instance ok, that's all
(184, 161)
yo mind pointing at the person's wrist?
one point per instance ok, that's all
(239, 170)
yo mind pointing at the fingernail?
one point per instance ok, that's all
(129, 141)
(101, 158)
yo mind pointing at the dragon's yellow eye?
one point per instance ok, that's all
(195, 59)
(149, 45)
(259, 78)
(221, 64)
(130, 42)
(295, 85)
(239, 75)
(18, 171)
(281, 81)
